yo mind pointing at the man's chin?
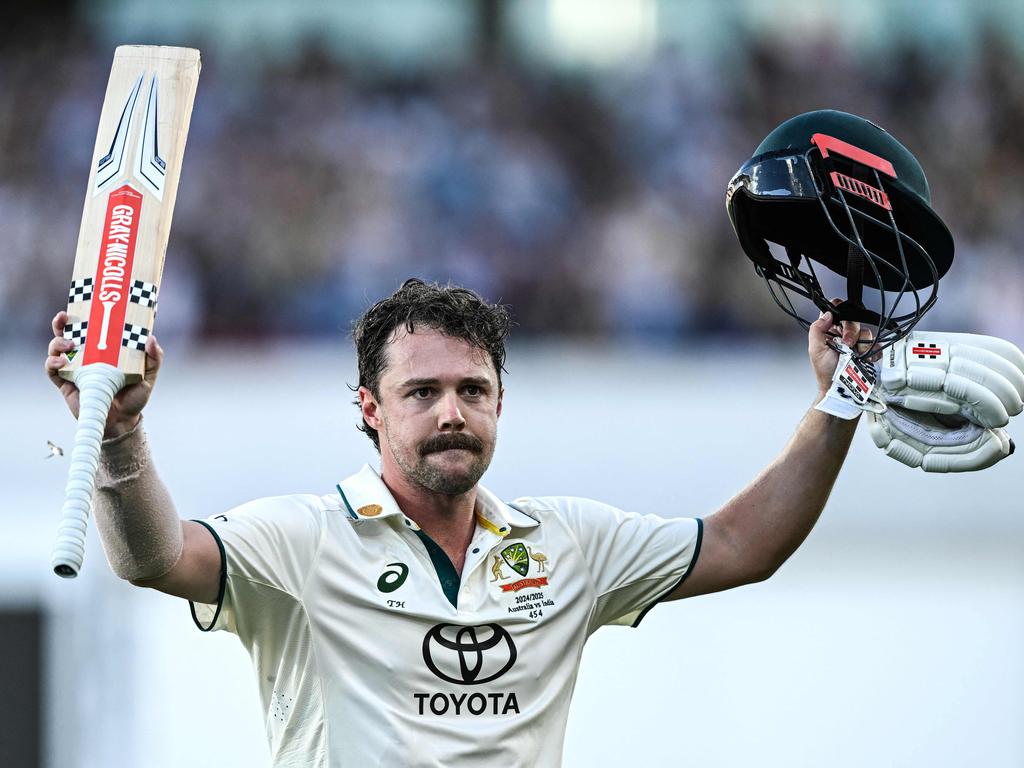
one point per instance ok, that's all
(449, 484)
(451, 473)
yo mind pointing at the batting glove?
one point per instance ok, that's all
(980, 378)
(937, 443)
(948, 395)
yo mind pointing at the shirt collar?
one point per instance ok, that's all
(365, 497)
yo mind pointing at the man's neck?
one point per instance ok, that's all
(448, 520)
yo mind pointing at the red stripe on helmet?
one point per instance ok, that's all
(827, 143)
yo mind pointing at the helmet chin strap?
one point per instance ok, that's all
(853, 307)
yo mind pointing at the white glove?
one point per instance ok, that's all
(980, 378)
(948, 394)
(937, 443)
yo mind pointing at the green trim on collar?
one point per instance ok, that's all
(347, 505)
(446, 574)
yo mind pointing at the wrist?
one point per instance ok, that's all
(119, 429)
(123, 456)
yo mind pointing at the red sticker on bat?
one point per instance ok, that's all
(113, 276)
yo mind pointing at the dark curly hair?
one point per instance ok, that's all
(456, 312)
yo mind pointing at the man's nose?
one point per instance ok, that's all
(450, 419)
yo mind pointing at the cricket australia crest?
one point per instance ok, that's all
(517, 557)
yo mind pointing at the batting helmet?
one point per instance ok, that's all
(836, 190)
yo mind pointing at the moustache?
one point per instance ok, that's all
(454, 441)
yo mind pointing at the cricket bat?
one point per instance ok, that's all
(112, 302)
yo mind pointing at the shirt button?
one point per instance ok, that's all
(476, 550)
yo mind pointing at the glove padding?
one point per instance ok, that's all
(948, 395)
(937, 443)
(980, 378)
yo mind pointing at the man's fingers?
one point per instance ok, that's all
(865, 339)
(54, 363)
(154, 357)
(52, 366)
(867, 347)
(849, 329)
(820, 328)
(153, 348)
(58, 323)
(59, 345)
(851, 332)
(824, 321)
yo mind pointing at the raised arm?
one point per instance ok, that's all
(757, 530)
(143, 538)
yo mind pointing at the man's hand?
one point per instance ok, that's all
(126, 409)
(824, 358)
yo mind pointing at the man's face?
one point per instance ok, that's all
(437, 414)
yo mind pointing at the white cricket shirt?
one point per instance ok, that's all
(370, 650)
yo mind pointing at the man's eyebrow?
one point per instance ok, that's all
(417, 383)
(477, 381)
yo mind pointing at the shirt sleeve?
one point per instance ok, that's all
(634, 560)
(267, 549)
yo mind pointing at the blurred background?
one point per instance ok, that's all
(568, 158)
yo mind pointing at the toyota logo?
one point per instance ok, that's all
(468, 655)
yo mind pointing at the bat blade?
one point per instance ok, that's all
(126, 220)
(129, 203)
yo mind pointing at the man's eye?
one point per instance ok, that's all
(473, 391)
(422, 393)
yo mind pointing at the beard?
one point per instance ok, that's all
(446, 480)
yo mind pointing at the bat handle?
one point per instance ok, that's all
(97, 385)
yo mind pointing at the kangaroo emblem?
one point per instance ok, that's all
(496, 569)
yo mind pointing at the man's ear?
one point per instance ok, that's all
(501, 396)
(369, 406)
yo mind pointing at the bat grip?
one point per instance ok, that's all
(97, 385)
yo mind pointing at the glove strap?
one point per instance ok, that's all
(853, 387)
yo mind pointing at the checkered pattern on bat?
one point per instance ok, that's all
(81, 290)
(134, 336)
(142, 293)
(76, 332)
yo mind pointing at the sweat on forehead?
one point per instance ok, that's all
(430, 352)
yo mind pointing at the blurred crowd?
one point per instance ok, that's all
(592, 204)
